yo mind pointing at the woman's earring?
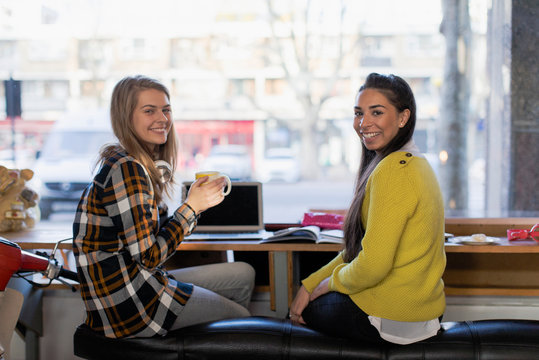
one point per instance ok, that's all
(165, 170)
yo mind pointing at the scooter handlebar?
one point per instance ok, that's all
(68, 274)
(13, 259)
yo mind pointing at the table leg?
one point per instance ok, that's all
(280, 268)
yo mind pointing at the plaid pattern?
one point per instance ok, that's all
(120, 248)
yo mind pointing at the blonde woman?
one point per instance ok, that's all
(122, 235)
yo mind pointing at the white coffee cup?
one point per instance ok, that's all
(214, 175)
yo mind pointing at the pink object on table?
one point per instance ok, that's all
(323, 220)
(520, 234)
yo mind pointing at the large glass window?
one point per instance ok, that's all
(265, 84)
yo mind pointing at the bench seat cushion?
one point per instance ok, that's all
(260, 338)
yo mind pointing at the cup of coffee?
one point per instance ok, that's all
(214, 175)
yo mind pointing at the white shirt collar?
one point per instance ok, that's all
(411, 147)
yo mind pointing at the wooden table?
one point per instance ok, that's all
(45, 236)
(508, 268)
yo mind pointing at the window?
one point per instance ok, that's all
(44, 95)
(239, 87)
(137, 49)
(47, 50)
(240, 77)
(7, 52)
(274, 86)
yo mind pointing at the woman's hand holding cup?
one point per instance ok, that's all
(208, 190)
(214, 175)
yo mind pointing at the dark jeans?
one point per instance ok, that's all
(336, 314)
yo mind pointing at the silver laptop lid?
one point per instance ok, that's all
(240, 211)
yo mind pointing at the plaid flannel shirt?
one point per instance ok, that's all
(119, 248)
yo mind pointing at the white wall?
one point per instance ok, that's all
(63, 311)
(491, 307)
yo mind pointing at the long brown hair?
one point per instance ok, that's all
(399, 94)
(122, 106)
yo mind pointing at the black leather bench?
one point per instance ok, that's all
(259, 338)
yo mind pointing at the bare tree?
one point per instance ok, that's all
(300, 66)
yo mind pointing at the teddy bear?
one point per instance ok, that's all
(18, 203)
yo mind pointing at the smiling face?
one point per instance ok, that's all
(152, 117)
(376, 120)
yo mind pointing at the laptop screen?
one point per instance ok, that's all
(240, 211)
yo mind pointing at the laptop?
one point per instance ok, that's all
(238, 217)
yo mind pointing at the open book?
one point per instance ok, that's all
(307, 234)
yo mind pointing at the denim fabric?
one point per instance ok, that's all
(337, 315)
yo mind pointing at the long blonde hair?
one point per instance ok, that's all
(122, 106)
(399, 94)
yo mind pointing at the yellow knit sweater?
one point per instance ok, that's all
(398, 273)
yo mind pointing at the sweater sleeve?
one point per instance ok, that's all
(131, 205)
(389, 202)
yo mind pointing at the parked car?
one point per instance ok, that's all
(280, 164)
(233, 160)
(65, 164)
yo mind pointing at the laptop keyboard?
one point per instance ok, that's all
(258, 235)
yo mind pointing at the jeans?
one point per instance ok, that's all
(337, 315)
(221, 291)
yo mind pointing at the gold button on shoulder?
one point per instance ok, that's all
(409, 154)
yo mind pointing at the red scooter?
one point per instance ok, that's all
(20, 263)
(13, 260)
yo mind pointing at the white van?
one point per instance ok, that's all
(65, 165)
